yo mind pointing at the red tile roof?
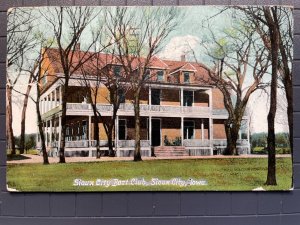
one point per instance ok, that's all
(172, 66)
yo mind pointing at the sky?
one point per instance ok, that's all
(187, 36)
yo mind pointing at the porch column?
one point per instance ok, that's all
(211, 135)
(150, 93)
(41, 106)
(47, 103)
(202, 130)
(117, 135)
(60, 95)
(181, 96)
(89, 137)
(193, 98)
(182, 132)
(50, 136)
(90, 130)
(59, 132)
(55, 97)
(150, 130)
(46, 133)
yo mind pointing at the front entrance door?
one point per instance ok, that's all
(155, 135)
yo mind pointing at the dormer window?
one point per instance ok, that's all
(160, 75)
(117, 71)
(186, 77)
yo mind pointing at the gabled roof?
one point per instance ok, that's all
(102, 60)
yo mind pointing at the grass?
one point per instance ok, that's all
(221, 174)
(264, 151)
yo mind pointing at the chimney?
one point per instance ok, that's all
(77, 47)
(182, 58)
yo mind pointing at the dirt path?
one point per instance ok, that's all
(39, 159)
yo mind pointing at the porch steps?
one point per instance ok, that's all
(166, 151)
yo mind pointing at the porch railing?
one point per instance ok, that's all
(128, 107)
(145, 143)
(131, 143)
(196, 143)
(223, 142)
(77, 144)
(102, 143)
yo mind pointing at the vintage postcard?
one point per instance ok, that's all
(149, 98)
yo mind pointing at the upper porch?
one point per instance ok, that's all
(156, 100)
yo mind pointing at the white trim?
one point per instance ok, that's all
(90, 128)
(183, 70)
(202, 129)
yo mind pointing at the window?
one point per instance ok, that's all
(121, 96)
(122, 129)
(186, 76)
(188, 98)
(117, 71)
(160, 75)
(155, 97)
(188, 129)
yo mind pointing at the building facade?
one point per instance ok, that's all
(181, 115)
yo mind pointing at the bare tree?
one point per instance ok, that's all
(23, 113)
(234, 54)
(19, 41)
(36, 70)
(271, 20)
(139, 36)
(274, 25)
(96, 74)
(67, 25)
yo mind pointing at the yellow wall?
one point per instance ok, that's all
(219, 129)
(170, 97)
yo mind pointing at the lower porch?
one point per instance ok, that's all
(159, 136)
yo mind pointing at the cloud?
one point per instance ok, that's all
(178, 46)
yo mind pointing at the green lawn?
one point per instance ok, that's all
(221, 174)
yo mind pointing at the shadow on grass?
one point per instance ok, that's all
(16, 157)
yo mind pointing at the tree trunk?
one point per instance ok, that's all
(137, 147)
(111, 152)
(232, 128)
(23, 117)
(97, 138)
(41, 132)
(63, 124)
(274, 37)
(289, 96)
(9, 121)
